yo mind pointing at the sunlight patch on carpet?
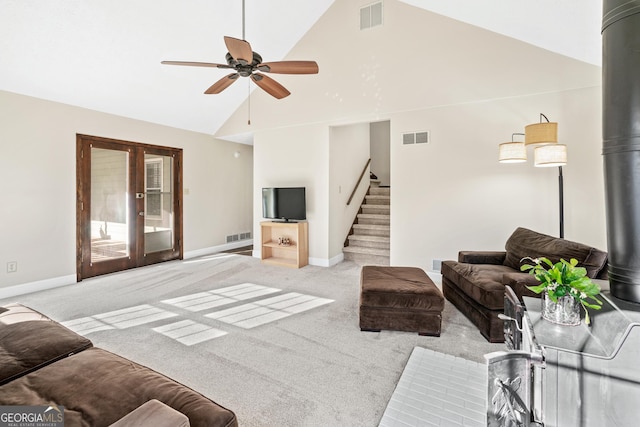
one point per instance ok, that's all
(188, 332)
(118, 319)
(218, 297)
(268, 310)
(86, 325)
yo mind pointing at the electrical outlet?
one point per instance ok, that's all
(12, 267)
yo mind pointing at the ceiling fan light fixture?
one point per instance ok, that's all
(246, 63)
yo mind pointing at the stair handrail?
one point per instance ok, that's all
(353, 193)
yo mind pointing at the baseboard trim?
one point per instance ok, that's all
(216, 249)
(324, 262)
(40, 285)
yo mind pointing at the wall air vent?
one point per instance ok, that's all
(236, 237)
(371, 16)
(421, 137)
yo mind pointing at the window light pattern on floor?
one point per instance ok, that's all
(218, 297)
(119, 319)
(260, 312)
(189, 332)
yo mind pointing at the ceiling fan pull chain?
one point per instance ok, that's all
(249, 103)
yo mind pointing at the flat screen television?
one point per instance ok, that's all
(286, 204)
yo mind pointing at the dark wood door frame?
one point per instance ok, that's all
(137, 258)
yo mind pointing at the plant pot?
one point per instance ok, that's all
(565, 312)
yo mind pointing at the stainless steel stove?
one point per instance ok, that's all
(567, 376)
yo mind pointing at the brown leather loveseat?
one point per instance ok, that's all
(475, 283)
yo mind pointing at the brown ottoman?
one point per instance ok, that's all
(399, 299)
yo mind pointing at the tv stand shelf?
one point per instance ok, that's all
(294, 255)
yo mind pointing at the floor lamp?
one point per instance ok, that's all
(549, 156)
(547, 153)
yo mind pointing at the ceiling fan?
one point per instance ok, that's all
(248, 63)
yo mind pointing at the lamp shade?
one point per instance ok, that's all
(541, 133)
(550, 155)
(512, 152)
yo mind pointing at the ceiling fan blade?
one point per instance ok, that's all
(222, 84)
(239, 49)
(196, 64)
(289, 67)
(270, 86)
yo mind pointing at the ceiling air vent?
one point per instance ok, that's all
(421, 137)
(371, 16)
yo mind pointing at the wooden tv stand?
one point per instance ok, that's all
(294, 255)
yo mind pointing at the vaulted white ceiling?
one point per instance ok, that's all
(105, 55)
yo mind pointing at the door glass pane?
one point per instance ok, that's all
(109, 215)
(158, 203)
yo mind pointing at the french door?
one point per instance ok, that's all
(129, 205)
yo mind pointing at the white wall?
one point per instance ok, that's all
(295, 157)
(381, 151)
(349, 152)
(415, 60)
(452, 194)
(38, 184)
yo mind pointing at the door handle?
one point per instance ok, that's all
(141, 213)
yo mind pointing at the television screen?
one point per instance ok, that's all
(284, 203)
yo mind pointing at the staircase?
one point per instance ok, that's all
(369, 243)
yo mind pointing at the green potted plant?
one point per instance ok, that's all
(564, 287)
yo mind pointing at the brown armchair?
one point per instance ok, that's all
(475, 283)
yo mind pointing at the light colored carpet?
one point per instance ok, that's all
(278, 346)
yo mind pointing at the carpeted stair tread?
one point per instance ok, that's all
(377, 200)
(362, 237)
(372, 229)
(368, 251)
(360, 240)
(380, 191)
(376, 209)
(376, 219)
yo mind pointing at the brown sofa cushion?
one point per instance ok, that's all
(482, 257)
(481, 282)
(97, 388)
(153, 414)
(519, 282)
(27, 345)
(399, 287)
(15, 313)
(527, 243)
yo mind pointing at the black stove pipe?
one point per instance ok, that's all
(621, 143)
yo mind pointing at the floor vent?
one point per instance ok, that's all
(421, 137)
(371, 16)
